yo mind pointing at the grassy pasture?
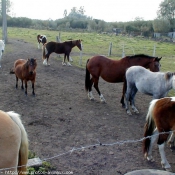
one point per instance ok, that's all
(94, 44)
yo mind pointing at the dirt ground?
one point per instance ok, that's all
(68, 130)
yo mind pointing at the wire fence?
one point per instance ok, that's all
(98, 144)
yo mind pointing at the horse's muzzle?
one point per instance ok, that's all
(31, 72)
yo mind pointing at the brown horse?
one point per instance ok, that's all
(160, 118)
(41, 39)
(60, 48)
(13, 144)
(25, 70)
(113, 71)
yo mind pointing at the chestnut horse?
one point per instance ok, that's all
(13, 145)
(60, 48)
(25, 70)
(113, 71)
(160, 118)
(41, 39)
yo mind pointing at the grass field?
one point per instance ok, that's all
(94, 43)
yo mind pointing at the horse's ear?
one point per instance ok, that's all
(159, 58)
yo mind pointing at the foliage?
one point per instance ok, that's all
(161, 25)
(167, 11)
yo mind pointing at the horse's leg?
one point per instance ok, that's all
(154, 138)
(124, 91)
(132, 98)
(16, 82)
(63, 63)
(127, 96)
(90, 95)
(38, 45)
(164, 161)
(171, 140)
(26, 87)
(68, 63)
(22, 87)
(102, 99)
(33, 87)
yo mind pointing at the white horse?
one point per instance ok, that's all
(155, 84)
(2, 47)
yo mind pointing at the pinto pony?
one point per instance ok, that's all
(25, 70)
(13, 145)
(2, 47)
(160, 118)
(60, 48)
(155, 84)
(41, 39)
(113, 71)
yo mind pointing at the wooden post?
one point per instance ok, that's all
(58, 40)
(110, 49)
(123, 53)
(154, 50)
(80, 61)
(4, 21)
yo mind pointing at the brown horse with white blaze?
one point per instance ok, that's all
(160, 120)
(13, 145)
(26, 71)
(60, 48)
(113, 71)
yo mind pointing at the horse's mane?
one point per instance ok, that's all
(169, 75)
(141, 55)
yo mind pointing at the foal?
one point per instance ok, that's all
(160, 118)
(25, 70)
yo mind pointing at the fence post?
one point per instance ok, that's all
(154, 50)
(80, 61)
(123, 53)
(58, 40)
(110, 49)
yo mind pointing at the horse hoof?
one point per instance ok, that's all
(168, 169)
(129, 113)
(63, 63)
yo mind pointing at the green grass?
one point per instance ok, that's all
(94, 43)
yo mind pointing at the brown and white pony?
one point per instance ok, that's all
(13, 144)
(41, 39)
(160, 119)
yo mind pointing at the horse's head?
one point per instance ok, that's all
(79, 44)
(31, 65)
(155, 65)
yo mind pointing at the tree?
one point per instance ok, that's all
(65, 13)
(161, 25)
(8, 6)
(167, 11)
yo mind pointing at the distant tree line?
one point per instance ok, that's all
(77, 20)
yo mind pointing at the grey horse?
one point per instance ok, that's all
(155, 84)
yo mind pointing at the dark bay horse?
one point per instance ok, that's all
(160, 118)
(41, 39)
(13, 144)
(113, 71)
(60, 48)
(25, 70)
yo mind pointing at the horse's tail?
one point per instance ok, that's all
(44, 52)
(12, 71)
(23, 152)
(87, 78)
(149, 127)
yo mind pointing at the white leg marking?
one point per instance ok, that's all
(90, 95)
(68, 63)
(153, 140)
(164, 161)
(102, 99)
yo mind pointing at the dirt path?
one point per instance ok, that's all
(60, 118)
